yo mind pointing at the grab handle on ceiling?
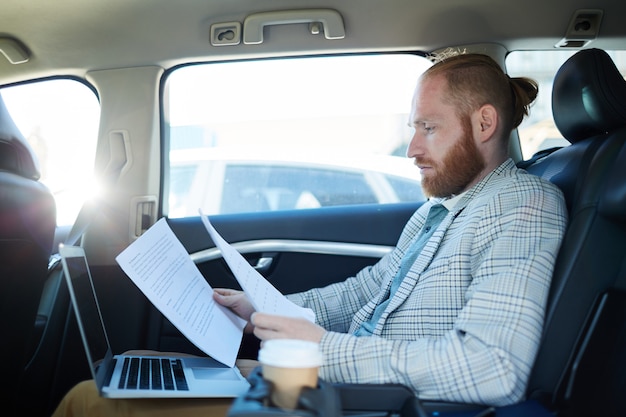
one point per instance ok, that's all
(14, 51)
(330, 20)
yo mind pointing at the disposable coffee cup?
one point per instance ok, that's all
(289, 365)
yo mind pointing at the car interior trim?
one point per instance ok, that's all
(303, 246)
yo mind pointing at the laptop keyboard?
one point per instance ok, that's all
(153, 373)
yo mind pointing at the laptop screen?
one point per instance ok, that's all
(89, 317)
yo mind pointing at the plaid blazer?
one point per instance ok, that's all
(466, 321)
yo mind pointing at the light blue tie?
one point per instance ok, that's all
(436, 214)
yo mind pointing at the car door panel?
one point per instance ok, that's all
(307, 248)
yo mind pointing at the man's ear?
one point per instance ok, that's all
(485, 122)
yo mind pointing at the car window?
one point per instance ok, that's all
(59, 118)
(537, 131)
(275, 187)
(290, 133)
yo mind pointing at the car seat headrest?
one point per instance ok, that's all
(588, 96)
(16, 155)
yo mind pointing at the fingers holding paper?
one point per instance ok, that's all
(237, 301)
(269, 326)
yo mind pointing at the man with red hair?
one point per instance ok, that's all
(455, 311)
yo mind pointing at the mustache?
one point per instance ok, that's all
(423, 161)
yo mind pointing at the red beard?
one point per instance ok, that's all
(459, 167)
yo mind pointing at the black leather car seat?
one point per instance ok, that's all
(589, 107)
(27, 227)
(594, 382)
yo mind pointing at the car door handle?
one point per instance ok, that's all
(264, 263)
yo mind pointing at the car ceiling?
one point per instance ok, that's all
(72, 37)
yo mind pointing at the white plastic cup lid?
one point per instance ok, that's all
(290, 353)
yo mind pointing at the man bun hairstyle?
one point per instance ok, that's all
(525, 92)
(476, 79)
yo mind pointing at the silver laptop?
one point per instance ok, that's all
(126, 376)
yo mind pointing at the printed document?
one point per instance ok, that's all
(264, 296)
(161, 267)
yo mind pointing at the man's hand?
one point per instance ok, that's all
(237, 301)
(269, 326)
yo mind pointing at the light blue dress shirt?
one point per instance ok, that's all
(435, 216)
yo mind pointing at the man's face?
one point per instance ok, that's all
(443, 145)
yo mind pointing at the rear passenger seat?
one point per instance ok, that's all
(595, 383)
(589, 106)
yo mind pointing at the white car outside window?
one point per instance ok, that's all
(225, 182)
(290, 133)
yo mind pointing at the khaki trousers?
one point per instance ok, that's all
(84, 400)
